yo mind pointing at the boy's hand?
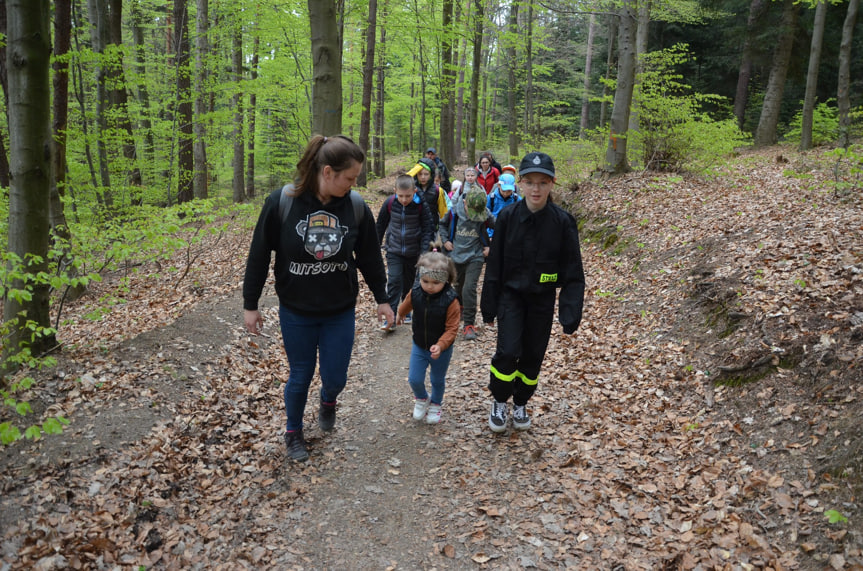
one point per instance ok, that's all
(448, 246)
(435, 351)
(485, 251)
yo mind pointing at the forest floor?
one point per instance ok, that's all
(705, 415)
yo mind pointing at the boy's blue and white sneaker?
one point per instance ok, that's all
(498, 415)
(409, 318)
(520, 418)
(385, 326)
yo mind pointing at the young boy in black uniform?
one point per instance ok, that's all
(534, 252)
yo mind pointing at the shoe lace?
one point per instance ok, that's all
(499, 408)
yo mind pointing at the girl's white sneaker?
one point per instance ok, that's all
(420, 408)
(433, 414)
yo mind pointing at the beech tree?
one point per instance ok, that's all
(812, 75)
(368, 84)
(615, 155)
(765, 134)
(843, 95)
(327, 68)
(28, 42)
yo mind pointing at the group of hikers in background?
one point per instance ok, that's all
(437, 234)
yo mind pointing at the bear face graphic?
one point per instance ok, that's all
(322, 235)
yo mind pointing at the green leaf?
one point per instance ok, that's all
(835, 517)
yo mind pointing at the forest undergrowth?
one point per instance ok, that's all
(705, 415)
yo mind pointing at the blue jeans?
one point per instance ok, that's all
(401, 272)
(420, 360)
(304, 337)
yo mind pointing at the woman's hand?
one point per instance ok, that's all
(254, 321)
(385, 311)
(435, 351)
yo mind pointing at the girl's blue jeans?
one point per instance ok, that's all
(420, 360)
(304, 337)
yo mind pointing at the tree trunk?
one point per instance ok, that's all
(473, 107)
(529, 129)
(812, 75)
(462, 63)
(99, 38)
(141, 70)
(640, 49)
(368, 84)
(380, 157)
(765, 134)
(202, 50)
(511, 63)
(447, 116)
(843, 97)
(609, 66)
(119, 97)
(78, 89)
(756, 9)
(253, 100)
(4, 85)
(186, 155)
(326, 68)
(28, 43)
(62, 44)
(237, 61)
(588, 61)
(615, 155)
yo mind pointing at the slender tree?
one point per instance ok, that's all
(368, 84)
(765, 134)
(143, 95)
(326, 67)
(379, 147)
(615, 155)
(447, 86)
(609, 68)
(588, 62)
(756, 9)
(511, 63)
(473, 107)
(812, 75)
(4, 85)
(253, 103)
(202, 51)
(98, 11)
(843, 97)
(186, 155)
(62, 44)
(28, 43)
(238, 163)
(529, 127)
(119, 97)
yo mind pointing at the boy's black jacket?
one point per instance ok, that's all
(534, 253)
(318, 251)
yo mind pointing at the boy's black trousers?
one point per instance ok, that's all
(523, 329)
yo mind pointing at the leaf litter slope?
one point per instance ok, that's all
(634, 460)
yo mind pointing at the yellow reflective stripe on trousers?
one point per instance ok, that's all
(525, 380)
(501, 377)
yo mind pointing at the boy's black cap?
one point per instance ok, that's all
(536, 162)
(431, 150)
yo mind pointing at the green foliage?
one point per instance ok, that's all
(835, 517)
(676, 132)
(825, 124)
(848, 169)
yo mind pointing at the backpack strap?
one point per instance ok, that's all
(286, 200)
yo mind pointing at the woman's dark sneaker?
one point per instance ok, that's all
(296, 446)
(327, 416)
